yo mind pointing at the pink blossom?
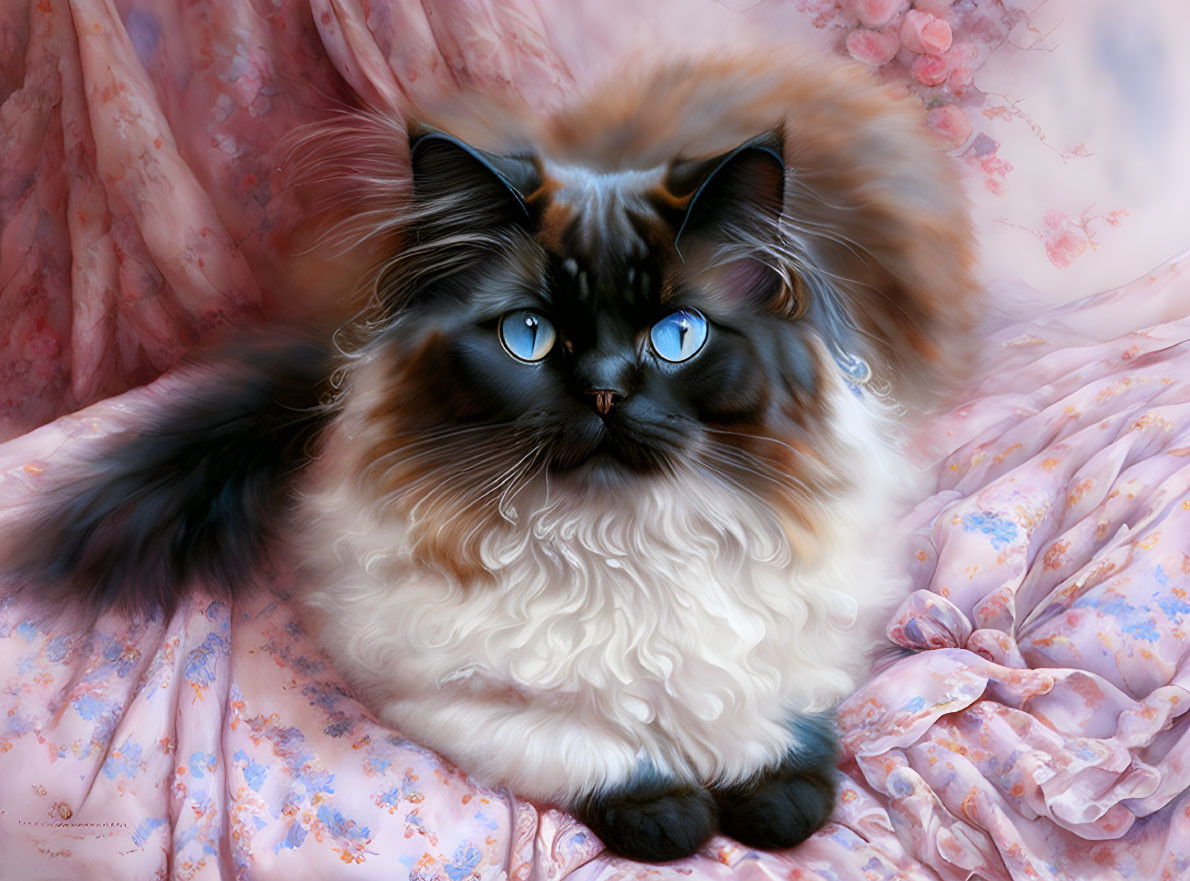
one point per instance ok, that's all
(873, 47)
(963, 51)
(924, 33)
(1064, 240)
(960, 79)
(874, 13)
(961, 58)
(951, 123)
(929, 70)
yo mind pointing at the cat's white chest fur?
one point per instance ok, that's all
(672, 627)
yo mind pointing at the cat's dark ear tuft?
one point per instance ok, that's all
(742, 188)
(446, 168)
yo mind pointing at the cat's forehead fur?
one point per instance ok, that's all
(597, 217)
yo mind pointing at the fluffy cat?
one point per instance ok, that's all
(594, 499)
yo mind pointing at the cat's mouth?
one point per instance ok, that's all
(608, 451)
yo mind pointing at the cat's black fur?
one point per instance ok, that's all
(186, 500)
(653, 818)
(782, 806)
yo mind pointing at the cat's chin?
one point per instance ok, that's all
(601, 456)
(607, 471)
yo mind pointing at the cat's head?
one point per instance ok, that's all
(683, 272)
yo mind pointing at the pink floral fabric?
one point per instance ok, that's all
(1036, 725)
(1040, 731)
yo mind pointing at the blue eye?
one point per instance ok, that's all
(526, 335)
(679, 335)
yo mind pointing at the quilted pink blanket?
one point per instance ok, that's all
(1039, 729)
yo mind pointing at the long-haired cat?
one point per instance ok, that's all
(594, 500)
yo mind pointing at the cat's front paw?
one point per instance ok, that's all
(778, 810)
(651, 821)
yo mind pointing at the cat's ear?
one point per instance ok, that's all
(731, 208)
(744, 188)
(490, 187)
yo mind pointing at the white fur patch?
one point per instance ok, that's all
(673, 627)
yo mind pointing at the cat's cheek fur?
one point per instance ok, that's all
(674, 630)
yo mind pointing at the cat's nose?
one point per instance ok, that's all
(605, 399)
(605, 373)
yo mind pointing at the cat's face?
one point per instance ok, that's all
(601, 311)
(594, 326)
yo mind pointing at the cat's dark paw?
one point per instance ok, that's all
(784, 805)
(778, 810)
(651, 821)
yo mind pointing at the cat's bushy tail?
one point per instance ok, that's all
(186, 498)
